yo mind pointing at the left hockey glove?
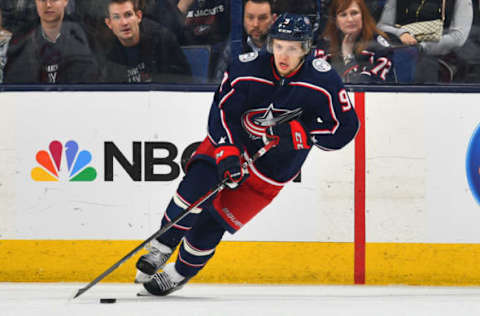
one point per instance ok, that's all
(229, 167)
(291, 136)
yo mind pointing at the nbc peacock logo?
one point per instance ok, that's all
(50, 162)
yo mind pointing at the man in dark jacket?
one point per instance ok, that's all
(258, 16)
(195, 22)
(19, 16)
(56, 51)
(139, 55)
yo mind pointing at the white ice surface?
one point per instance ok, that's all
(197, 299)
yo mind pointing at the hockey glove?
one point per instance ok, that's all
(291, 136)
(229, 167)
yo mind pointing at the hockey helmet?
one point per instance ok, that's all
(292, 27)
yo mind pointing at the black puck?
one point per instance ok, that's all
(108, 300)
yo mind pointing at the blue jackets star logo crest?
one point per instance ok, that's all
(256, 122)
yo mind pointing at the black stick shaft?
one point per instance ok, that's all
(177, 219)
(262, 151)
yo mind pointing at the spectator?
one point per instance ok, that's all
(5, 37)
(71, 7)
(56, 51)
(166, 13)
(468, 54)
(206, 22)
(195, 22)
(352, 43)
(139, 56)
(91, 14)
(457, 24)
(19, 16)
(257, 19)
(376, 8)
(317, 10)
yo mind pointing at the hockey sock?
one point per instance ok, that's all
(200, 177)
(198, 245)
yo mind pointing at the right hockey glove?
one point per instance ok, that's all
(229, 167)
(290, 136)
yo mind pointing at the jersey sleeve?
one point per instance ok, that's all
(224, 122)
(333, 123)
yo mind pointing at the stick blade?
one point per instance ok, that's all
(79, 292)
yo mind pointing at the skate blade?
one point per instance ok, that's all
(141, 277)
(143, 293)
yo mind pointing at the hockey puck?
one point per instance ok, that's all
(108, 300)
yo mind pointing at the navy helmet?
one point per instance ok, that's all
(292, 27)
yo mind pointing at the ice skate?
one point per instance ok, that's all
(151, 262)
(166, 281)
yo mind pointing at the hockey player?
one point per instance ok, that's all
(255, 92)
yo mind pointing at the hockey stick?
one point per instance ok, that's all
(272, 142)
(220, 186)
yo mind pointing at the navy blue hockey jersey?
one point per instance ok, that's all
(373, 65)
(252, 93)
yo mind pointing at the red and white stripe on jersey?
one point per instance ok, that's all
(230, 93)
(330, 106)
(210, 138)
(225, 126)
(225, 78)
(251, 78)
(225, 98)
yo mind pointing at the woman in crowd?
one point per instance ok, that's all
(432, 55)
(354, 46)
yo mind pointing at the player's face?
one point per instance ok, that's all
(257, 20)
(51, 11)
(288, 56)
(349, 21)
(124, 22)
